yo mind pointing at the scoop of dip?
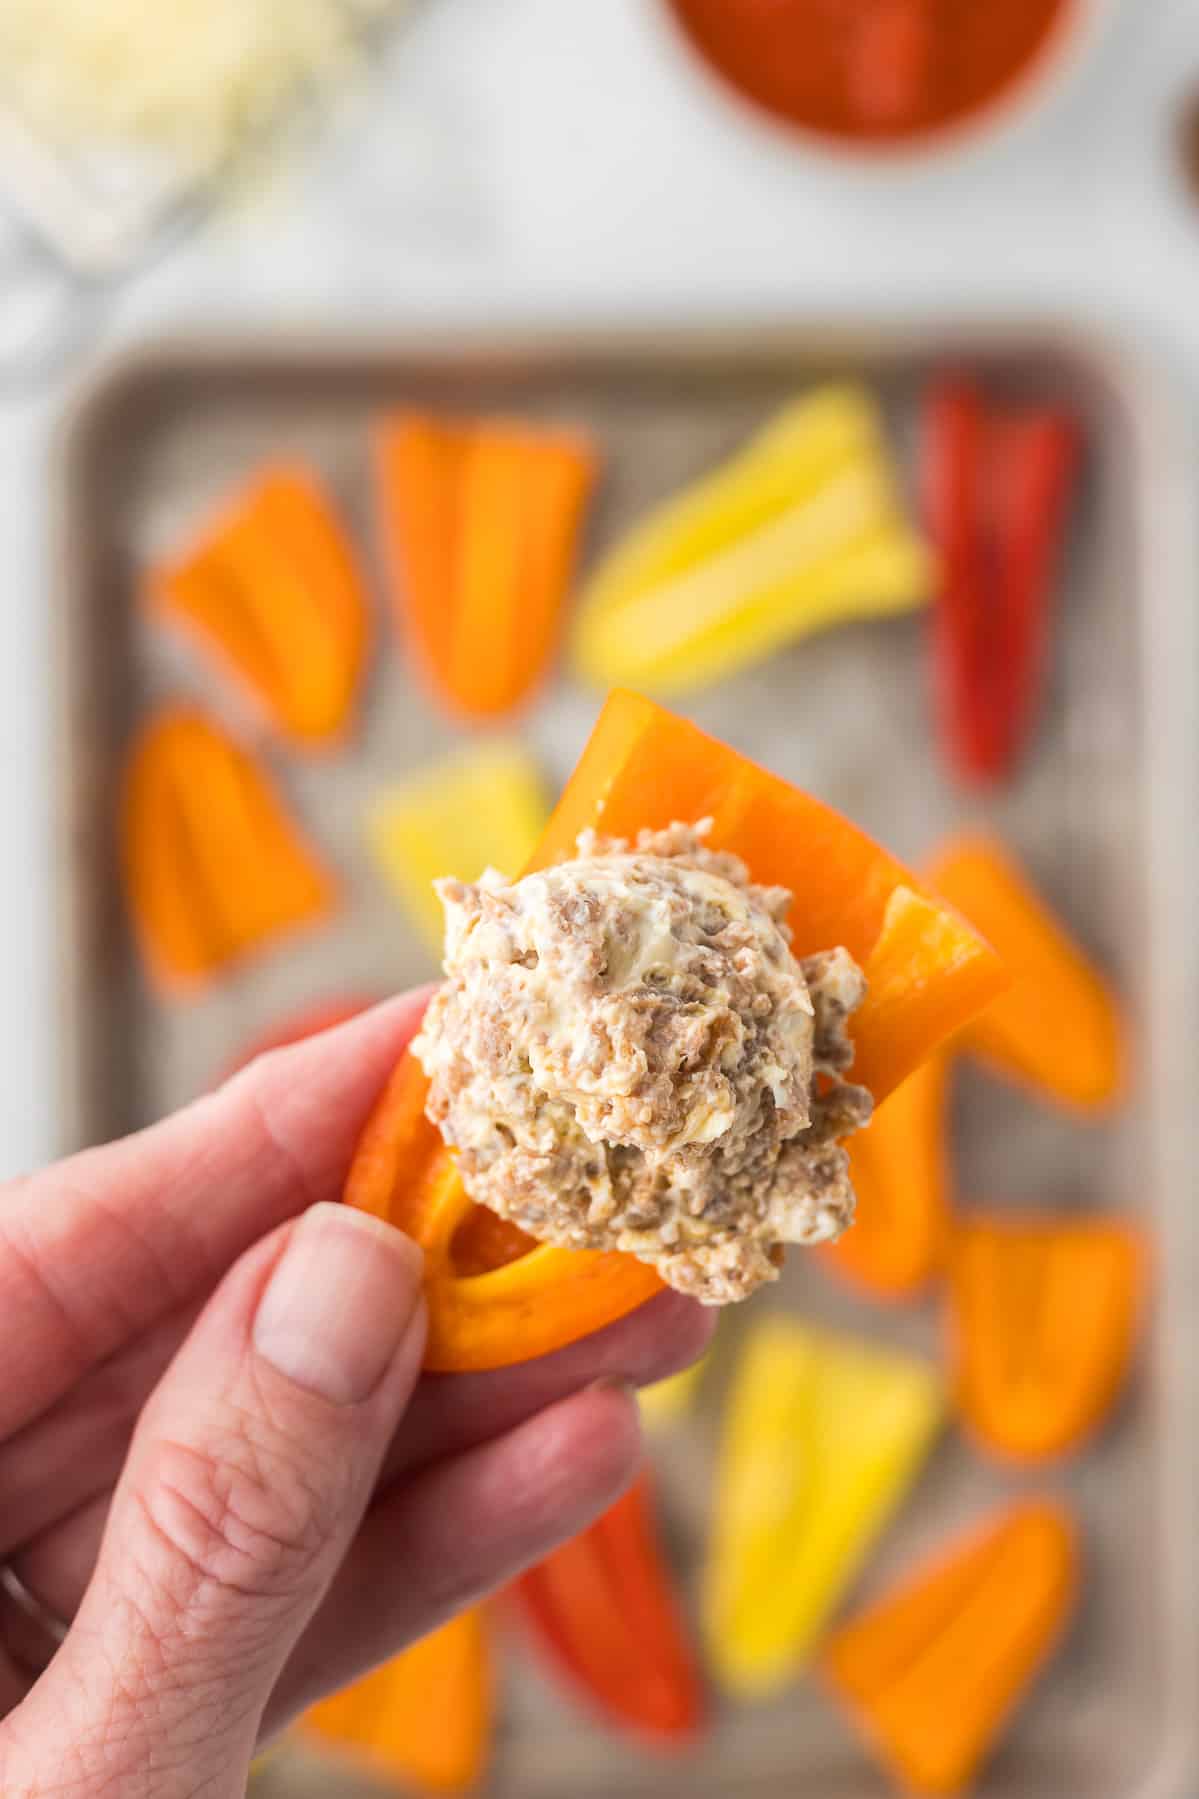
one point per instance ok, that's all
(626, 1055)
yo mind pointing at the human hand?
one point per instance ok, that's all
(218, 1457)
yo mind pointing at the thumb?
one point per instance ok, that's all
(247, 1477)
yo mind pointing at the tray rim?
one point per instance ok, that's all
(1165, 520)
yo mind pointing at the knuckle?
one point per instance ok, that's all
(237, 1519)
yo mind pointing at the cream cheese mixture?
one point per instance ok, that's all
(626, 1055)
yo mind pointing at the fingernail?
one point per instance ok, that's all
(339, 1303)
(611, 1383)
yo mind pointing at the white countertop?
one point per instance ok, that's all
(559, 160)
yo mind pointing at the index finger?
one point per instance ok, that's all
(94, 1249)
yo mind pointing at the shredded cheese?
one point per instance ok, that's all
(196, 79)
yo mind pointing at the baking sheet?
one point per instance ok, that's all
(1103, 816)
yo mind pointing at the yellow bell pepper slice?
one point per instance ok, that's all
(669, 1401)
(823, 1436)
(483, 808)
(802, 530)
(799, 448)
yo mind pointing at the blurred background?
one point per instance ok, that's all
(911, 288)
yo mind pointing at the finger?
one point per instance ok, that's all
(58, 1565)
(97, 1248)
(452, 1412)
(248, 1475)
(56, 1464)
(459, 1531)
(13, 1685)
(448, 1413)
(553, 1474)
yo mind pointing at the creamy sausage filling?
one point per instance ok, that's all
(626, 1055)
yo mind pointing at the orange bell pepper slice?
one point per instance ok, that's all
(930, 1673)
(1043, 1322)
(272, 593)
(643, 767)
(900, 1166)
(494, 1296)
(603, 1612)
(1058, 1027)
(480, 523)
(928, 971)
(214, 868)
(425, 1717)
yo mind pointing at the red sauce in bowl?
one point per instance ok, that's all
(874, 71)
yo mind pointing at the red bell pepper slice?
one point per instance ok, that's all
(997, 492)
(1036, 461)
(928, 973)
(604, 1615)
(953, 478)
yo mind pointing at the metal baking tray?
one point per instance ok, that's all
(1105, 815)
